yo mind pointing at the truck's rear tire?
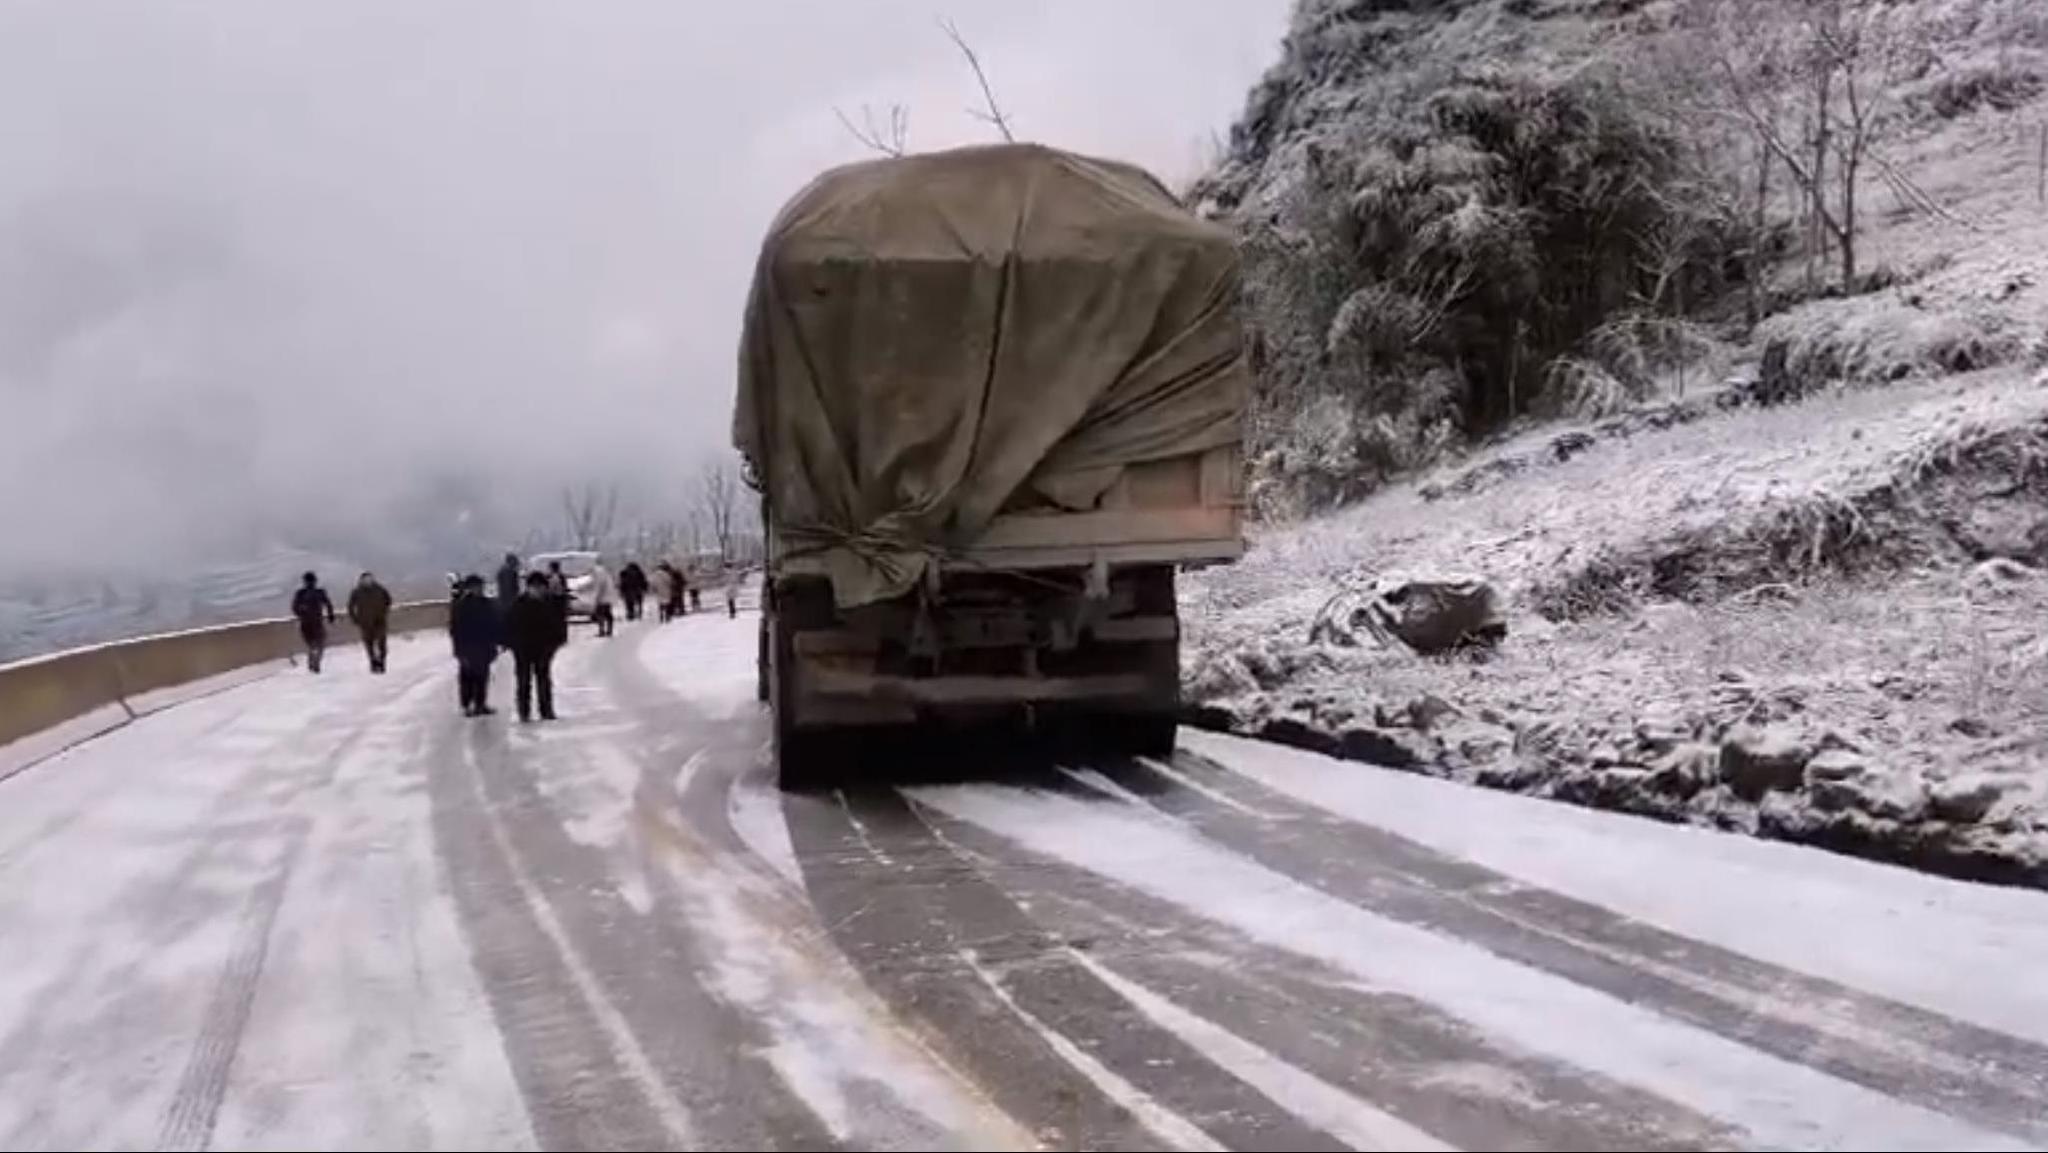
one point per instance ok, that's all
(802, 756)
(801, 760)
(1150, 729)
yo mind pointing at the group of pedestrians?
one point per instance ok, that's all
(668, 586)
(369, 609)
(532, 624)
(528, 616)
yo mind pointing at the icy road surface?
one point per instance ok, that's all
(328, 912)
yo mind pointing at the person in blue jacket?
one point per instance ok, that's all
(314, 612)
(474, 631)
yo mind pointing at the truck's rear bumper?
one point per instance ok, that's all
(836, 682)
(842, 697)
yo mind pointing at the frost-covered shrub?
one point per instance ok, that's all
(1884, 340)
(1433, 261)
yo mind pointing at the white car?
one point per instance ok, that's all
(579, 568)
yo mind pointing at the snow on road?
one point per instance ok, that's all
(829, 1039)
(1782, 1104)
(223, 925)
(1882, 929)
(327, 912)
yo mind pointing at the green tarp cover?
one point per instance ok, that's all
(932, 338)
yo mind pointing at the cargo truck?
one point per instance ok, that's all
(992, 400)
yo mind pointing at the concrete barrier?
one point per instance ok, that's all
(43, 692)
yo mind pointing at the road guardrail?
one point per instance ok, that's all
(43, 692)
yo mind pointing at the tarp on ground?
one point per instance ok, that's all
(932, 338)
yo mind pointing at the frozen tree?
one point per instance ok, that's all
(718, 504)
(589, 514)
(1812, 83)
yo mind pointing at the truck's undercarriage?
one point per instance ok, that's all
(1098, 644)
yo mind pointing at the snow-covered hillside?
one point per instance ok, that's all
(1800, 590)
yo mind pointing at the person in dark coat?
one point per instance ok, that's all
(536, 629)
(508, 582)
(314, 612)
(369, 609)
(633, 588)
(474, 633)
(678, 591)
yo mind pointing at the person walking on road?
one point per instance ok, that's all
(474, 632)
(369, 609)
(732, 597)
(315, 611)
(602, 593)
(535, 631)
(678, 591)
(508, 582)
(633, 588)
(665, 591)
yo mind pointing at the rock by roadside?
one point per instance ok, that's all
(1765, 782)
(1887, 749)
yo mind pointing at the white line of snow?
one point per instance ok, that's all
(754, 808)
(1780, 1103)
(1884, 930)
(688, 772)
(1166, 770)
(1334, 1111)
(1094, 779)
(1164, 1123)
(860, 829)
(624, 1045)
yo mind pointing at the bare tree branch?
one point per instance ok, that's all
(894, 140)
(718, 491)
(994, 112)
(589, 515)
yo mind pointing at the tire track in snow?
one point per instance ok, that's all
(870, 1078)
(948, 949)
(577, 1091)
(188, 1123)
(1775, 1101)
(1357, 1124)
(1408, 1058)
(646, 967)
(195, 1104)
(1911, 1054)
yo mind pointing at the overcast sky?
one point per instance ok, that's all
(259, 256)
